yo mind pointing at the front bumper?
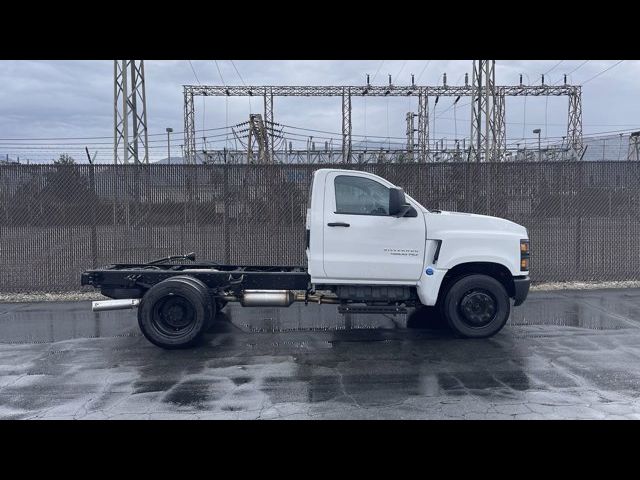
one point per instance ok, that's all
(522, 285)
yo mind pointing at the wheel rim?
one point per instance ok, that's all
(477, 308)
(174, 316)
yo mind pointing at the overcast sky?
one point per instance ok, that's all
(74, 99)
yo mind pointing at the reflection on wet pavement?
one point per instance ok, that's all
(562, 355)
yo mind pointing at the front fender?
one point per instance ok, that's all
(500, 248)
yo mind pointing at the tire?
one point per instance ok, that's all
(205, 290)
(476, 306)
(176, 312)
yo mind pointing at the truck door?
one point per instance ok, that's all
(362, 241)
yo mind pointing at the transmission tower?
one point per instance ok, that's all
(634, 147)
(346, 125)
(574, 125)
(488, 128)
(499, 129)
(423, 125)
(487, 114)
(130, 141)
(257, 137)
(410, 135)
(268, 119)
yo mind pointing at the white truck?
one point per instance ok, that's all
(370, 249)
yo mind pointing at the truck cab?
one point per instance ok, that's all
(366, 238)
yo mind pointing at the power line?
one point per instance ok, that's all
(8, 142)
(204, 105)
(578, 67)
(220, 73)
(194, 72)
(554, 67)
(603, 71)
(401, 69)
(236, 69)
(425, 67)
(93, 138)
(378, 71)
(241, 79)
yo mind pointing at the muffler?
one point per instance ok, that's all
(124, 304)
(278, 298)
(267, 298)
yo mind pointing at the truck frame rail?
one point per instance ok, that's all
(127, 280)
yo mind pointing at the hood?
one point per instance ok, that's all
(470, 221)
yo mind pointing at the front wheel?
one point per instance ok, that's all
(476, 306)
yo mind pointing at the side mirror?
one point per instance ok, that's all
(398, 205)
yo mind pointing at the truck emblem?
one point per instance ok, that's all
(429, 271)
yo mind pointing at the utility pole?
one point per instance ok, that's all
(130, 113)
(538, 131)
(169, 132)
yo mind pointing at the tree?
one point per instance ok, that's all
(65, 159)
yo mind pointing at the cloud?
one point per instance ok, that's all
(56, 99)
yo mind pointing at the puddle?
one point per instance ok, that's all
(57, 321)
(571, 312)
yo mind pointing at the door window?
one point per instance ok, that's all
(361, 196)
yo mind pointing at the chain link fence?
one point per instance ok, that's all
(583, 218)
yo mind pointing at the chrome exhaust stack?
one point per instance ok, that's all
(124, 304)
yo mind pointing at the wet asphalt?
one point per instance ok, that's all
(563, 354)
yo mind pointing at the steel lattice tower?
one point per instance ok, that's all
(423, 126)
(574, 125)
(410, 135)
(268, 124)
(499, 129)
(488, 128)
(346, 125)
(634, 147)
(257, 135)
(130, 113)
(487, 114)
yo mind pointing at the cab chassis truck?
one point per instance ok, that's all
(370, 249)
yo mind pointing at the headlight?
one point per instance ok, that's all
(524, 255)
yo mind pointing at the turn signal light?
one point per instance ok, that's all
(524, 255)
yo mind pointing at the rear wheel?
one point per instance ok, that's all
(476, 306)
(176, 312)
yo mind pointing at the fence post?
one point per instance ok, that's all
(94, 236)
(225, 202)
(579, 222)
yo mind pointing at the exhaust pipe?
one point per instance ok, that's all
(278, 298)
(124, 304)
(250, 298)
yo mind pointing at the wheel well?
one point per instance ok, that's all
(495, 270)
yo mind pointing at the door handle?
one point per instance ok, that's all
(338, 224)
